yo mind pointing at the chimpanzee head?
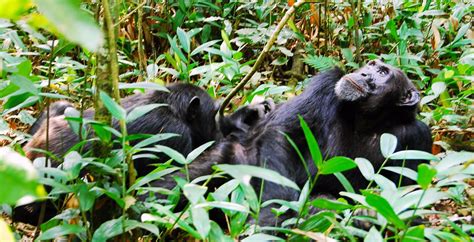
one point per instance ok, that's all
(377, 85)
(197, 109)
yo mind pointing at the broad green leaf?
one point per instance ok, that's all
(373, 236)
(116, 110)
(14, 9)
(327, 204)
(73, 22)
(204, 46)
(385, 209)
(412, 155)
(194, 193)
(415, 234)
(388, 144)
(318, 222)
(216, 234)
(144, 85)
(166, 210)
(61, 230)
(142, 110)
(173, 154)
(24, 84)
(344, 182)
(261, 237)
(337, 164)
(425, 175)
(223, 205)
(404, 171)
(152, 176)
(196, 152)
(312, 144)
(119, 226)
(223, 191)
(201, 221)
(245, 172)
(176, 49)
(18, 177)
(365, 168)
(154, 139)
(86, 197)
(184, 39)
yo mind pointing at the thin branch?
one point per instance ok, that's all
(262, 55)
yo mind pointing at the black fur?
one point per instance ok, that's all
(342, 127)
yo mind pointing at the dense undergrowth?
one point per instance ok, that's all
(48, 51)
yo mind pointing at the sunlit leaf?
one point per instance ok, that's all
(73, 22)
(385, 209)
(388, 144)
(425, 175)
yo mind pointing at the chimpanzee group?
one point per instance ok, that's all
(347, 113)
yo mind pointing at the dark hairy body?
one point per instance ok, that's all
(190, 113)
(346, 113)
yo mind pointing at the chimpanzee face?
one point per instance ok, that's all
(377, 84)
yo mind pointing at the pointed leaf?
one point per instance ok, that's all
(312, 144)
(385, 209)
(412, 155)
(365, 168)
(142, 110)
(337, 164)
(245, 172)
(388, 144)
(173, 154)
(196, 152)
(116, 110)
(426, 173)
(183, 39)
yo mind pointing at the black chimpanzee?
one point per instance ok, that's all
(190, 112)
(346, 113)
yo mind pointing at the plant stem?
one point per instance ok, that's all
(262, 55)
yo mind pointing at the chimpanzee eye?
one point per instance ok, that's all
(382, 71)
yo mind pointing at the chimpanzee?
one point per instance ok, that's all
(346, 113)
(55, 109)
(190, 112)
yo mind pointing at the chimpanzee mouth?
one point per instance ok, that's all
(354, 83)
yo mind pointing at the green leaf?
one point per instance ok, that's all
(204, 46)
(388, 144)
(173, 154)
(176, 49)
(153, 139)
(18, 177)
(201, 221)
(152, 176)
(143, 85)
(61, 230)
(415, 234)
(245, 172)
(116, 110)
(312, 144)
(318, 222)
(330, 204)
(412, 155)
(86, 197)
(194, 193)
(337, 164)
(373, 236)
(24, 84)
(425, 175)
(385, 209)
(74, 23)
(184, 39)
(223, 205)
(365, 168)
(261, 237)
(13, 9)
(142, 110)
(196, 152)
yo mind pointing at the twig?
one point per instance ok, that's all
(262, 55)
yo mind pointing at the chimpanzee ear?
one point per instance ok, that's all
(193, 108)
(410, 98)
